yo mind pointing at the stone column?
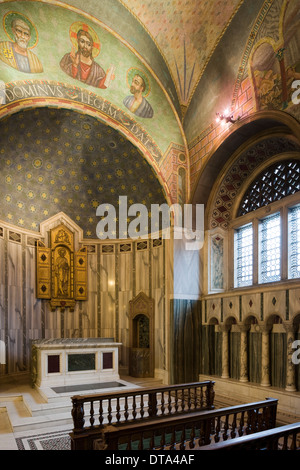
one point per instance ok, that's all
(265, 363)
(244, 354)
(290, 367)
(225, 353)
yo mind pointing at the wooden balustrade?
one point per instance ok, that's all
(282, 438)
(140, 404)
(180, 431)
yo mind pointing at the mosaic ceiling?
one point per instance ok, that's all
(54, 160)
(186, 32)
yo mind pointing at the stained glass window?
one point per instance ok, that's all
(294, 242)
(270, 249)
(243, 246)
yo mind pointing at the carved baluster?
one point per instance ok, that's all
(241, 427)
(162, 439)
(129, 443)
(202, 440)
(162, 406)
(233, 427)
(173, 440)
(201, 397)
(152, 400)
(141, 441)
(126, 414)
(259, 421)
(92, 420)
(152, 441)
(169, 402)
(142, 412)
(248, 429)
(118, 414)
(176, 401)
(217, 429)
(101, 412)
(182, 400)
(134, 407)
(293, 445)
(78, 415)
(195, 398)
(189, 399)
(226, 426)
(285, 442)
(210, 395)
(192, 437)
(182, 439)
(109, 409)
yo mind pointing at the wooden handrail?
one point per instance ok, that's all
(139, 404)
(195, 429)
(268, 439)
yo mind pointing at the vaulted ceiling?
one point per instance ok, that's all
(186, 32)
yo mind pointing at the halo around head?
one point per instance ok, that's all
(80, 25)
(136, 71)
(13, 15)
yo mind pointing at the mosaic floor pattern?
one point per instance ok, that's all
(59, 440)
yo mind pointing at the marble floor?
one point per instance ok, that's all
(25, 414)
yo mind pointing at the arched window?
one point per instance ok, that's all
(267, 240)
(276, 182)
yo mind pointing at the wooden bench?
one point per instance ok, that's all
(282, 438)
(180, 431)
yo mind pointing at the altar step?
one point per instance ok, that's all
(30, 410)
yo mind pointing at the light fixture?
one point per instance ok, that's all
(227, 117)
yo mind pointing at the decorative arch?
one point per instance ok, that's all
(232, 141)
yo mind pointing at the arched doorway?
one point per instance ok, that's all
(141, 363)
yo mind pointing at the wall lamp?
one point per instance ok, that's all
(227, 117)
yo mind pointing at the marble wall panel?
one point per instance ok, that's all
(107, 273)
(92, 272)
(14, 264)
(274, 304)
(2, 261)
(142, 271)
(2, 308)
(251, 305)
(125, 276)
(293, 304)
(231, 307)
(157, 264)
(30, 270)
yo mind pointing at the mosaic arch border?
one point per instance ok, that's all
(33, 103)
(234, 160)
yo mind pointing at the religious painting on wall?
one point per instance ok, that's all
(80, 62)
(23, 36)
(139, 87)
(275, 62)
(266, 77)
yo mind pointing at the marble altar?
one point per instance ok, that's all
(64, 362)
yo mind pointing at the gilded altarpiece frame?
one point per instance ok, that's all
(61, 271)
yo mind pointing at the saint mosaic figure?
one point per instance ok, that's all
(80, 62)
(139, 88)
(23, 37)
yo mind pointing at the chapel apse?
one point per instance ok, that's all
(57, 160)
